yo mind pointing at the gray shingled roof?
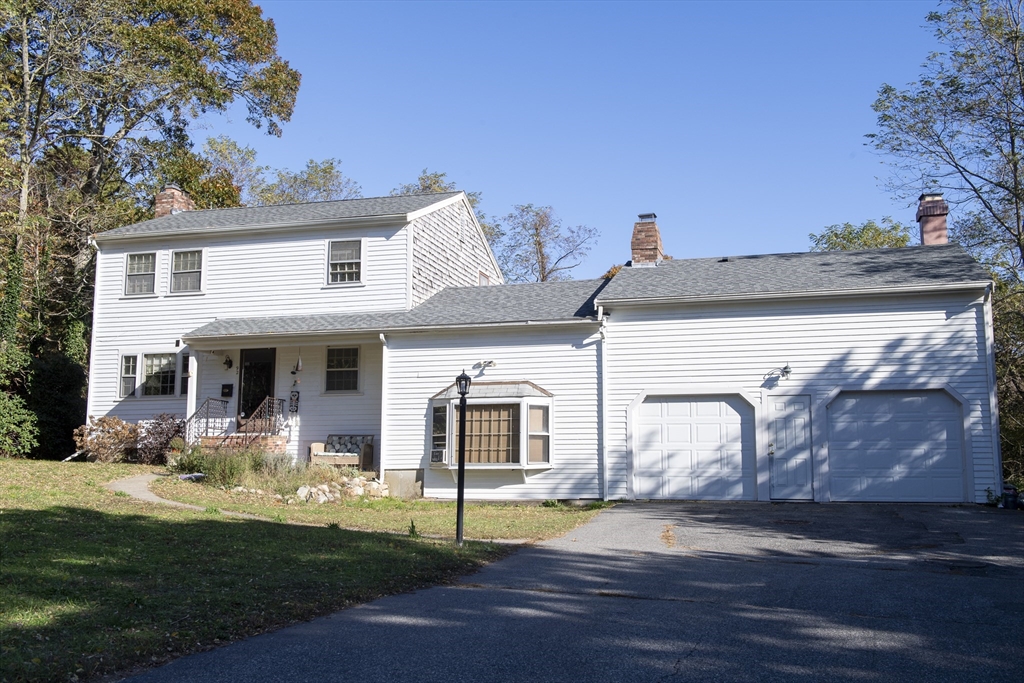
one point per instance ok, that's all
(537, 302)
(798, 273)
(256, 217)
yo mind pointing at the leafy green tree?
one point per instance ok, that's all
(227, 157)
(867, 235)
(536, 247)
(960, 129)
(434, 181)
(320, 181)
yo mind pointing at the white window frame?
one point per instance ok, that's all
(451, 456)
(359, 371)
(180, 367)
(156, 273)
(121, 377)
(202, 273)
(362, 263)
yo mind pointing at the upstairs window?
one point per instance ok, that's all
(186, 271)
(160, 371)
(342, 369)
(141, 276)
(345, 264)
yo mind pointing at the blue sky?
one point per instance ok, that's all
(741, 124)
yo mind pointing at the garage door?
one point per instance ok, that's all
(690, 447)
(896, 446)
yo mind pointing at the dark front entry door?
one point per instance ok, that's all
(257, 379)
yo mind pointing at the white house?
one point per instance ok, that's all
(842, 376)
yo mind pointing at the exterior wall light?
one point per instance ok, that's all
(227, 361)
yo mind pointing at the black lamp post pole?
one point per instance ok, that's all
(462, 382)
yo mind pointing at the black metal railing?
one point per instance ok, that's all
(210, 419)
(266, 420)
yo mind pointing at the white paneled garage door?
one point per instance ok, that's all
(896, 446)
(694, 447)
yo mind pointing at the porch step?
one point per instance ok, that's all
(274, 445)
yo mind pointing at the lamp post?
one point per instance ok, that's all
(462, 383)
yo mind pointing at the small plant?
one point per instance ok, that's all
(412, 530)
(333, 525)
(553, 504)
(121, 494)
(212, 510)
(281, 518)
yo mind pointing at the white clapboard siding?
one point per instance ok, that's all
(448, 250)
(563, 361)
(830, 345)
(243, 276)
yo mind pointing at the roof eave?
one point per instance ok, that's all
(355, 222)
(221, 339)
(820, 294)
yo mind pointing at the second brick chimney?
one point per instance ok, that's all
(931, 216)
(171, 200)
(646, 243)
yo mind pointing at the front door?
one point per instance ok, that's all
(257, 381)
(789, 452)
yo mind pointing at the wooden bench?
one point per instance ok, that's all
(344, 450)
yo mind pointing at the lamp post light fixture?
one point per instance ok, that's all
(462, 383)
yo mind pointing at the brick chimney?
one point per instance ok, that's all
(646, 242)
(931, 215)
(171, 200)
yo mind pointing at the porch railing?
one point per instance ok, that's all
(266, 420)
(210, 419)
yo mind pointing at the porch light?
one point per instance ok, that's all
(227, 361)
(462, 382)
(787, 371)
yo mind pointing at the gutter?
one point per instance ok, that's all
(821, 294)
(223, 338)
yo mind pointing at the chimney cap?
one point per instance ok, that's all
(929, 196)
(647, 217)
(171, 186)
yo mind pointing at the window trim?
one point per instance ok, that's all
(156, 273)
(180, 367)
(359, 371)
(202, 273)
(121, 377)
(451, 460)
(361, 282)
(145, 378)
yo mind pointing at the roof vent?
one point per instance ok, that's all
(724, 259)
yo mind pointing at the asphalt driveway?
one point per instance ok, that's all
(689, 591)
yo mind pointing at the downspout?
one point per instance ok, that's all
(993, 402)
(383, 402)
(603, 397)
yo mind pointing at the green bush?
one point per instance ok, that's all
(18, 431)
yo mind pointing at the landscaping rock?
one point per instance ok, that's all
(356, 490)
(303, 492)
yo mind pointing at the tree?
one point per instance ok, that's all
(960, 129)
(867, 235)
(239, 163)
(430, 182)
(537, 248)
(320, 181)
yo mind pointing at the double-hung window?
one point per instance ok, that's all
(342, 369)
(141, 274)
(187, 271)
(508, 427)
(345, 263)
(129, 375)
(160, 374)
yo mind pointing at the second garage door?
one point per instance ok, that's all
(690, 447)
(896, 446)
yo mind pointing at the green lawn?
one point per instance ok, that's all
(482, 521)
(92, 582)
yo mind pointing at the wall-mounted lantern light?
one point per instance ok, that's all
(227, 361)
(782, 373)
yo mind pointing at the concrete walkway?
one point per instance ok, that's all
(138, 487)
(687, 592)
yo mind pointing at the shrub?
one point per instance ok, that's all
(107, 439)
(18, 430)
(156, 437)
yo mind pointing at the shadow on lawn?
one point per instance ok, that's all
(91, 591)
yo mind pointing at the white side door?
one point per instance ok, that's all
(789, 451)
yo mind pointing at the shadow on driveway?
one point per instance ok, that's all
(693, 591)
